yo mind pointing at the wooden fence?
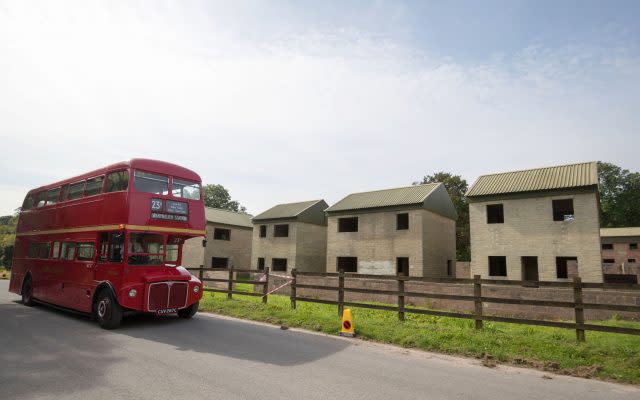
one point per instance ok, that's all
(477, 298)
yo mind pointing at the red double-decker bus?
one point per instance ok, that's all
(110, 241)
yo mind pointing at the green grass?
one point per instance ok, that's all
(604, 355)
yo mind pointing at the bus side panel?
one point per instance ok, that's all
(18, 268)
(16, 279)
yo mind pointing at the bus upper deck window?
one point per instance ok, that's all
(117, 181)
(186, 189)
(151, 183)
(52, 196)
(75, 191)
(28, 202)
(41, 199)
(94, 186)
(64, 193)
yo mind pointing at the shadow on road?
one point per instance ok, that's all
(50, 348)
(231, 338)
(48, 352)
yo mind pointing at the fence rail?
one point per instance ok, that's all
(477, 298)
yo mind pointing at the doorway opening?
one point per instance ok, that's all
(529, 268)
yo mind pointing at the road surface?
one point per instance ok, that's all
(45, 353)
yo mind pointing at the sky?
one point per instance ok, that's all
(283, 101)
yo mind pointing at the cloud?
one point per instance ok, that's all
(290, 114)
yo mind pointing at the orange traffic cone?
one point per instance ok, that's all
(347, 324)
(4, 274)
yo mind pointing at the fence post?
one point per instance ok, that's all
(400, 298)
(265, 287)
(477, 294)
(230, 284)
(340, 293)
(579, 311)
(294, 272)
(201, 273)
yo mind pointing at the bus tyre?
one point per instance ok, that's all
(27, 292)
(189, 311)
(107, 310)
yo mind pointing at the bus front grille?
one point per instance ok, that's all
(163, 295)
(178, 295)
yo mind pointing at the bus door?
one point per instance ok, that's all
(43, 271)
(110, 258)
(83, 275)
(65, 287)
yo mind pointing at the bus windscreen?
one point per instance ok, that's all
(151, 183)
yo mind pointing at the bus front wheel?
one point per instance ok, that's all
(189, 311)
(107, 310)
(27, 292)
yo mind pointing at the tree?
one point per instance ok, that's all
(7, 238)
(456, 187)
(619, 196)
(6, 256)
(217, 196)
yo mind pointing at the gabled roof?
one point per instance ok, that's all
(226, 217)
(620, 232)
(304, 211)
(431, 196)
(534, 180)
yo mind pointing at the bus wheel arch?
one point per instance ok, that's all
(106, 285)
(106, 309)
(26, 290)
(189, 312)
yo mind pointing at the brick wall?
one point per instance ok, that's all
(621, 254)
(428, 243)
(529, 230)
(304, 248)
(193, 252)
(311, 247)
(463, 270)
(237, 250)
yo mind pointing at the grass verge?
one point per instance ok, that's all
(604, 356)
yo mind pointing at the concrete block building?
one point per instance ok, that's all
(291, 235)
(620, 254)
(228, 241)
(538, 224)
(409, 230)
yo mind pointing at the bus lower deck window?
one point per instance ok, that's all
(85, 251)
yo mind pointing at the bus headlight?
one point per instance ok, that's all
(196, 289)
(133, 293)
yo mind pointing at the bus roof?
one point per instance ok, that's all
(161, 167)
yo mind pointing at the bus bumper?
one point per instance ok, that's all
(162, 297)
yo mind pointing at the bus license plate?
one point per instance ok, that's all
(167, 311)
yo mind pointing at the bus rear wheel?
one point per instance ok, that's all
(189, 311)
(107, 310)
(27, 292)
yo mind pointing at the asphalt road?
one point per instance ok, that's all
(45, 353)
